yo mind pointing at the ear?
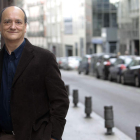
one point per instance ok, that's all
(25, 27)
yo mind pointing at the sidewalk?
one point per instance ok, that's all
(80, 128)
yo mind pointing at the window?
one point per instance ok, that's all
(129, 5)
(113, 20)
(127, 61)
(106, 20)
(133, 63)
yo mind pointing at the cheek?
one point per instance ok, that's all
(5, 28)
(21, 29)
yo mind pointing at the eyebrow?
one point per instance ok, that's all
(11, 19)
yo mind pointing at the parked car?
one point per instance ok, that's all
(84, 64)
(103, 65)
(61, 61)
(132, 73)
(94, 59)
(115, 69)
(58, 59)
(72, 62)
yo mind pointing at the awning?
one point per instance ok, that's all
(97, 40)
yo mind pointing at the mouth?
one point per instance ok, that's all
(11, 32)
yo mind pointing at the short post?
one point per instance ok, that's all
(75, 97)
(88, 106)
(137, 132)
(108, 116)
(67, 88)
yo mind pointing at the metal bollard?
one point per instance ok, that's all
(137, 132)
(75, 97)
(88, 106)
(67, 88)
(108, 116)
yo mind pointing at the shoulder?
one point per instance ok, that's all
(42, 52)
(38, 51)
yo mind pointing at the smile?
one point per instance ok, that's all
(12, 32)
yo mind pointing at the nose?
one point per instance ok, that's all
(13, 26)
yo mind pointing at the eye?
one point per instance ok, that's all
(18, 22)
(7, 22)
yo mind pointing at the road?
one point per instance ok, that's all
(124, 99)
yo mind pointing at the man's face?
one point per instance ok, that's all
(12, 24)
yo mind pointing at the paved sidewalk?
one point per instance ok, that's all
(80, 128)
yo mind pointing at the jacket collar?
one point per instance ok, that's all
(26, 56)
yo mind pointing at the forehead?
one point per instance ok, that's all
(13, 13)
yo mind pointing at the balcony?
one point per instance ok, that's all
(36, 34)
(131, 34)
(135, 34)
(38, 18)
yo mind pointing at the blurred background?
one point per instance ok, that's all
(79, 27)
(99, 38)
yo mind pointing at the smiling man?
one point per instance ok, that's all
(33, 97)
(13, 27)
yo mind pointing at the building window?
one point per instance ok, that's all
(106, 20)
(129, 5)
(113, 19)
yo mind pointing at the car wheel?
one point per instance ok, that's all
(86, 72)
(122, 80)
(110, 77)
(79, 72)
(97, 75)
(104, 76)
(137, 82)
(118, 78)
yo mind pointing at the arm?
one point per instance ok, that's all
(58, 98)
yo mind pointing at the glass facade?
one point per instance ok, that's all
(104, 15)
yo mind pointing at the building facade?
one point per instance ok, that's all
(69, 27)
(36, 27)
(54, 26)
(104, 21)
(128, 23)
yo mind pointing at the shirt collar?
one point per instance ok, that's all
(17, 52)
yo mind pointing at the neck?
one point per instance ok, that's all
(12, 45)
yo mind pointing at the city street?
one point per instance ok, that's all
(123, 98)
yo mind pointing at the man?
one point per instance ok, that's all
(33, 98)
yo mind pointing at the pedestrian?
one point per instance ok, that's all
(33, 97)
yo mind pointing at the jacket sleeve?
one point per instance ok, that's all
(58, 98)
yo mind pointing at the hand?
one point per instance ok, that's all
(52, 139)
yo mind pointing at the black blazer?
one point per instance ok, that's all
(39, 101)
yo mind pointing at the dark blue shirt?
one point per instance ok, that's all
(10, 63)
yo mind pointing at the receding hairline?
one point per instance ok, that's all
(1, 13)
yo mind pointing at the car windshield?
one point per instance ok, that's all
(127, 61)
(112, 60)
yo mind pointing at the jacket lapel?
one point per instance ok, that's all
(26, 57)
(1, 63)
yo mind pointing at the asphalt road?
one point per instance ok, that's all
(125, 99)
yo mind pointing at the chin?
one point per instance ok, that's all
(13, 38)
